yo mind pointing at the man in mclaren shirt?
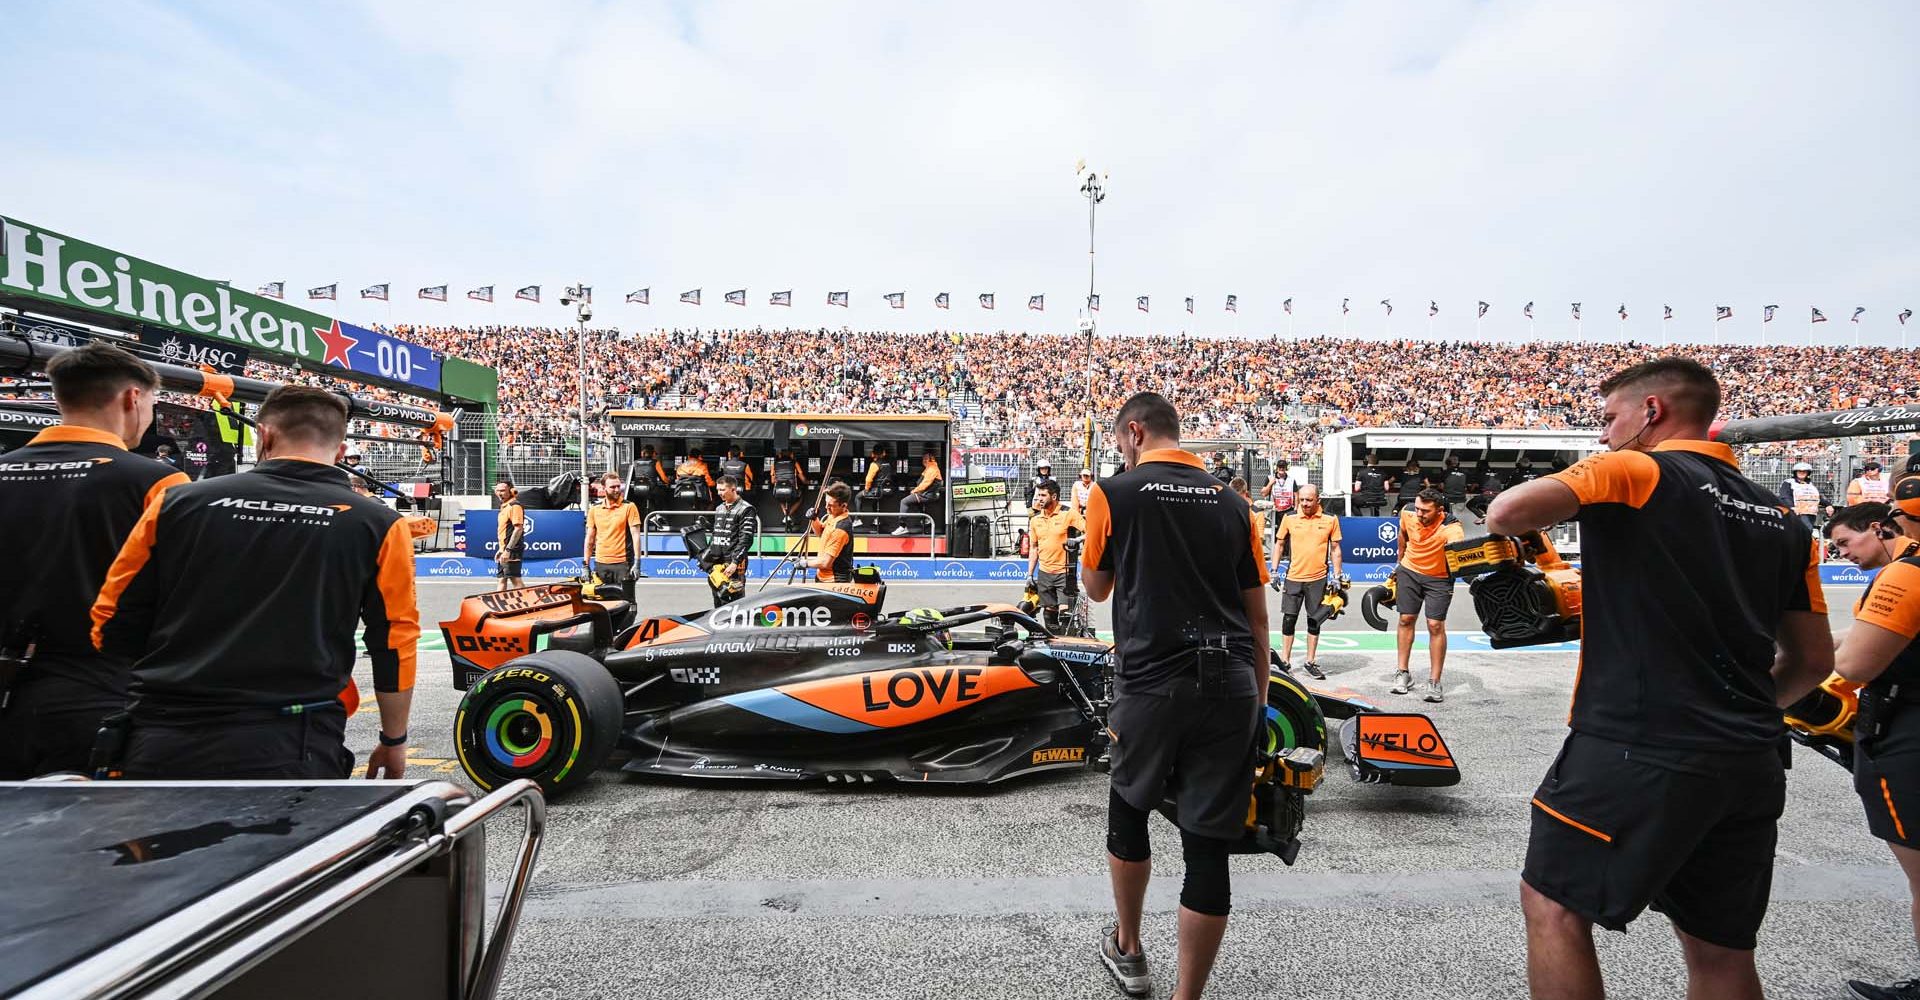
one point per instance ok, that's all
(1703, 618)
(1177, 551)
(68, 499)
(238, 599)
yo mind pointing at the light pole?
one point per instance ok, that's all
(1093, 188)
(576, 296)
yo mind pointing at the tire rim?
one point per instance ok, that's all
(518, 733)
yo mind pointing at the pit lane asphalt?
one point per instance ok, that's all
(650, 889)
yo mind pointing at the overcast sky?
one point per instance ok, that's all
(1741, 153)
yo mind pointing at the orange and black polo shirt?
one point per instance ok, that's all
(1688, 567)
(1892, 601)
(68, 498)
(1182, 548)
(1309, 542)
(1424, 549)
(1049, 537)
(246, 591)
(836, 543)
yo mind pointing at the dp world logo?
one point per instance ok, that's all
(951, 570)
(1008, 571)
(450, 567)
(1389, 531)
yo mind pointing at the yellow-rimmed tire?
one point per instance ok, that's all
(551, 717)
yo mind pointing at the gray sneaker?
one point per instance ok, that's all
(1905, 990)
(1402, 682)
(1433, 692)
(1313, 670)
(1129, 972)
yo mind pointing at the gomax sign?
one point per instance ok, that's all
(49, 266)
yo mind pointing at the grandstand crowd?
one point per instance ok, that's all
(1032, 390)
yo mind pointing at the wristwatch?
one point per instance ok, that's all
(393, 741)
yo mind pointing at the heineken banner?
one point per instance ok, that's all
(54, 268)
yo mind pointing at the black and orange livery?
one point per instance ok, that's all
(246, 592)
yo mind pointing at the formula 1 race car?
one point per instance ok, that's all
(816, 682)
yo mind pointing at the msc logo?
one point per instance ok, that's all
(951, 570)
(1060, 755)
(1007, 570)
(1389, 531)
(450, 567)
(489, 644)
(771, 616)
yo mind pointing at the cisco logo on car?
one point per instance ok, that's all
(1008, 571)
(1389, 531)
(951, 570)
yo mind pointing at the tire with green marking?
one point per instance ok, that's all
(1293, 717)
(551, 717)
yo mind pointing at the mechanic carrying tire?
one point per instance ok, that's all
(1882, 652)
(238, 600)
(69, 498)
(1180, 558)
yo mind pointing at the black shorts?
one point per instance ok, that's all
(1886, 773)
(49, 724)
(1298, 593)
(257, 745)
(613, 574)
(504, 568)
(1414, 592)
(1052, 588)
(1196, 751)
(1618, 828)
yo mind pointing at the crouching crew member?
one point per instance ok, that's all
(1177, 552)
(1703, 619)
(1310, 542)
(238, 600)
(789, 481)
(925, 496)
(1880, 651)
(736, 524)
(834, 563)
(68, 499)
(1048, 530)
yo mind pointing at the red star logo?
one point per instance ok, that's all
(337, 344)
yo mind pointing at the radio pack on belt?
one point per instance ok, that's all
(1523, 592)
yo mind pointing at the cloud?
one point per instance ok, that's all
(1505, 151)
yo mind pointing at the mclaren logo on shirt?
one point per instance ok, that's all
(1178, 488)
(275, 507)
(74, 466)
(1769, 510)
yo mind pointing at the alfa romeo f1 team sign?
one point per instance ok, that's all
(47, 265)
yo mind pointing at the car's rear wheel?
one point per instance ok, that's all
(551, 717)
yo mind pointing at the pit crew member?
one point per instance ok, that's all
(1048, 528)
(789, 479)
(925, 496)
(510, 543)
(1422, 585)
(1309, 541)
(613, 534)
(69, 498)
(736, 524)
(1370, 488)
(238, 600)
(1703, 618)
(834, 563)
(1176, 551)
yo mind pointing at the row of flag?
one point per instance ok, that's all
(737, 297)
(1038, 303)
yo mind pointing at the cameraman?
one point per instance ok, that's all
(68, 498)
(1177, 552)
(1703, 618)
(1880, 652)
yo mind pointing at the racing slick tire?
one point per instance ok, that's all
(1293, 716)
(552, 717)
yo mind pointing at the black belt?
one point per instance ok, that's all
(187, 714)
